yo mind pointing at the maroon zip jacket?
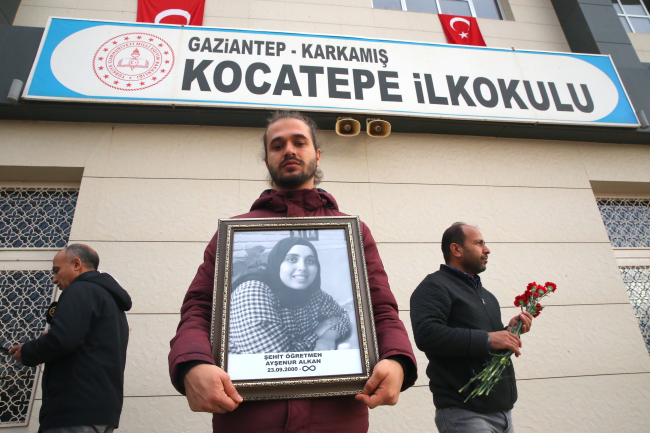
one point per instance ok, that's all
(318, 415)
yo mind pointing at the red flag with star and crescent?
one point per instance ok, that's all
(462, 30)
(185, 12)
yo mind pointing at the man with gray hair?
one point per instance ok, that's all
(456, 323)
(84, 351)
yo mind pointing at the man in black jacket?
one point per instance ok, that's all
(456, 322)
(85, 349)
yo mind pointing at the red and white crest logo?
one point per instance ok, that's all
(133, 61)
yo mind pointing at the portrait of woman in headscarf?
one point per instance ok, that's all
(282, 308)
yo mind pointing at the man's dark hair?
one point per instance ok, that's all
(87, 255)
(279, 115)
(453, 235)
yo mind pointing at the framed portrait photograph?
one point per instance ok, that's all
(292, 315)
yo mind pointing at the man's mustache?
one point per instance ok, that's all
(291, 159)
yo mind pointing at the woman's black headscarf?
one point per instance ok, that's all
(271, 275)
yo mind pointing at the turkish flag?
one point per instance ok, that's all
(185, 12)
(462, 30)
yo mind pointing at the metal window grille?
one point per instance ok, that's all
(24, 299)
(637, 280)
(36, 217)
(627, 221)
(470, 8)
(633, 15)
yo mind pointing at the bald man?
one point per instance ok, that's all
(84, 351)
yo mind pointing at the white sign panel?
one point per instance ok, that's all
(94, 61)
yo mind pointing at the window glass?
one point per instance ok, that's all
(626, 26)
(641, 25)
(455, 7)
(633, 7)
(422, 6)
(487, 9)
(387, 4)
(617, 7)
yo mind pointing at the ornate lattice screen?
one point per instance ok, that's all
(637, 280)
(627, 221)
(36, 217)
(24, 297)
(30, 219)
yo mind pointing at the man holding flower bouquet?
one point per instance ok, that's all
(457, 324)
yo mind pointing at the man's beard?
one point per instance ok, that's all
(474, 265)
(295, 179)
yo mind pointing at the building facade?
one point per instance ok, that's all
(567, 204)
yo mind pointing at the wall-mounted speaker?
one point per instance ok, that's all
(347, 127)
(377, 128)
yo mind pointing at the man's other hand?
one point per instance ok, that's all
(505, 340)
(384, 385)
(16, 354)
(525, 318)
(209, 389)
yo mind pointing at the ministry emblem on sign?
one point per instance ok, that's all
(133, 61)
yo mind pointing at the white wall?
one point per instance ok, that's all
(151, 196)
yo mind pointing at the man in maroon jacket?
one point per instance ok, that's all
(292, 158)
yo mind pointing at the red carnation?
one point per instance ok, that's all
(541, 290)
(531, 286)
(552, 286)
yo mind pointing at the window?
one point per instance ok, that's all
(633, 15)
(469, 8)
(35, 222)
(627, 221)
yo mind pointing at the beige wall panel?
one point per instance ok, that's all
(534, 15)
(426, 159)
(526, 31)
(162, 414)
(518, 162)
(344, 158)
(575, 268)
(249, 191)
(159, 285)
(69, 4)
(92, 14)
(147, 371)
(294, 26)
(414, 413)
(175, 151)
(616, 162)
(420, 213)
(353, 199)
(36, 16)
(546, 215)
(601, 404)
(347, 3)
(237, 23)
(29, 143)
(388, 19)
(152, 209)
(252, 165)
(458, 160)
(363, 30)
(301, 12)
(644, 56)
(641, 41)
(230, 9)
(420, 357)
(115, 5)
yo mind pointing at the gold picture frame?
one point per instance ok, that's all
(291, 369)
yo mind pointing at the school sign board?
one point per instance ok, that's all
(139, 63)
